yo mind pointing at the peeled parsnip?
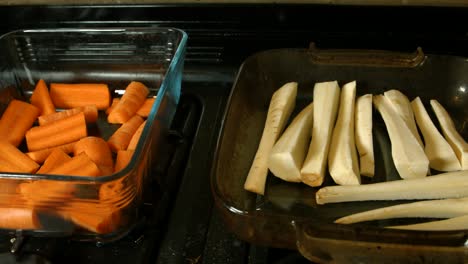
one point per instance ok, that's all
(326, 100)
(446, 185)
(402, 107)
(431, 209)
(342, 157)
(408, 155)
(288, 153)
(363, 134)
(455, 140)
(456, 223)
(281, 105)
(440, 154)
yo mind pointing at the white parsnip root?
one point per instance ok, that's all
(456, 223)
(455, 140)
(446, 208)
(402, 107)
(289, 152)
(408, 155)
(445, 185)
(326, 100)
(440, 154)
(342, 158)
(281, 106)
(363, 134)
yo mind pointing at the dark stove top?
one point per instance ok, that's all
(181, 224)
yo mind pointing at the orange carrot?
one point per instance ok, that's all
(145, 109)
(99, 218)
(63, 131)
(18, 218)
(115, 101)
(122, 159)
(40, 193)
(133, 98)
(9, 154)
(41, 99)
(80, 165)
(16, 120)
(73, 95)
(136, 137)
(40, 156)
(98, 151)
(122, 136)
(90, 112)
(55, 159)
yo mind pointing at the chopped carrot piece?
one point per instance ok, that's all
(90, 112)
(40, 156)
(145, 109)
(18, 218)
(57, 157)
(123, 159)
(136, 137)
(41, 99)
(43, 193)
(16, 120)
(115, 101)
(98, 151)
(80, 165)
(80, 94)
(122, 136)
(99, 218)
(57, 133)
(133, 98)
(18, 161)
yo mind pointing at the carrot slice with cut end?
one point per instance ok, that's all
(57, 133)
(56, 158)
(133, 98)
(18, 218)
(145, 109)
(122, 136)
(136, 137)
(95, 218)
(122, 159)
(16, 120)
(80, 165)
(90, 113)
(115, 101)
(98, 151)
(80, 94)
(9, 154)
(40, 156)
(43, 192)
(41, 99)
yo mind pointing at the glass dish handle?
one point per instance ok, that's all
(356, 57)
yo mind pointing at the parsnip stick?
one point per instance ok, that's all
(281, 105)
(455, 140)
(408, 155)
(432, 209)
(446, 185)
(363, 135)
(456, 223)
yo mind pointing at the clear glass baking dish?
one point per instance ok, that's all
(288, 216)
(116, 56)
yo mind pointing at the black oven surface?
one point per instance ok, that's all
(180, 223)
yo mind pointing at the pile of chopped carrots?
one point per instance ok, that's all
(58, 142)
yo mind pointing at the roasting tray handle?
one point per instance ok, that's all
(366, 57)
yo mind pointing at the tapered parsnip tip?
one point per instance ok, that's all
(281, 106)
